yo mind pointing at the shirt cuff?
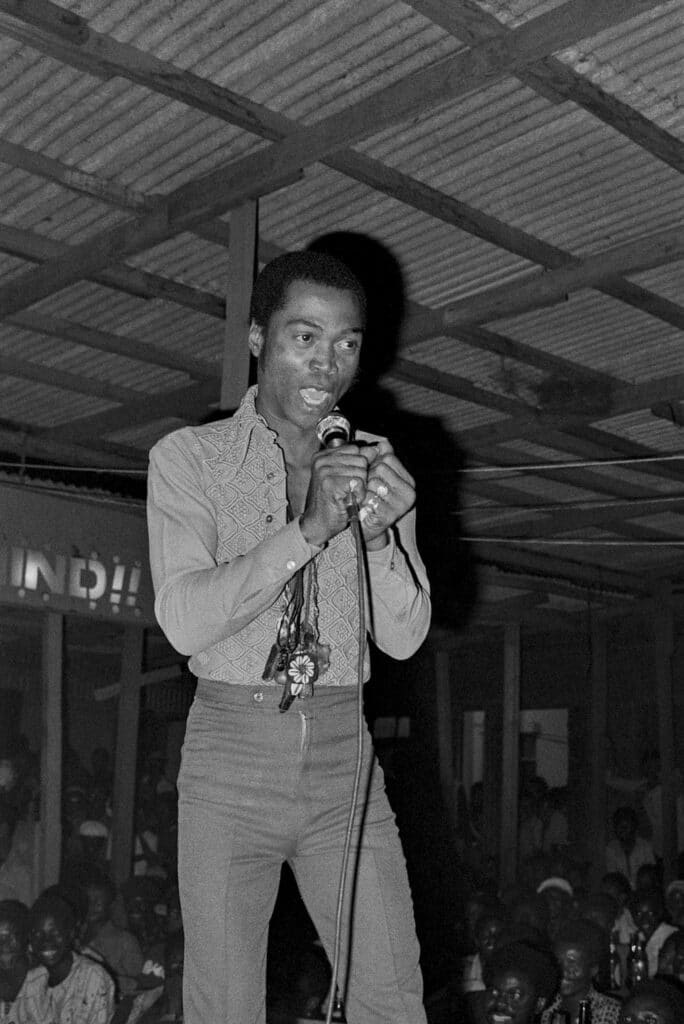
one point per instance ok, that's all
(383, 558)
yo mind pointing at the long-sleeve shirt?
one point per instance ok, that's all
(86, 996)
(222, 551)
(32, 1004)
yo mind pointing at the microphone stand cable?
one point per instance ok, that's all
(358, 541)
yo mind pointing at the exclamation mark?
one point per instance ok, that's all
(117, 585)
(133, 585)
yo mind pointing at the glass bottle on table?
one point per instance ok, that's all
(584, 1012)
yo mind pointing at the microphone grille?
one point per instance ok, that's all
(334, 429)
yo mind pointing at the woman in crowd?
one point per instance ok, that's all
(578, 948)
(23, 990)
(80, 991)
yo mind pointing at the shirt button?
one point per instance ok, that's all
(269, 519)
(290, 566)
(258, 697)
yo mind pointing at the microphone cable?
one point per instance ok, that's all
(344, 868)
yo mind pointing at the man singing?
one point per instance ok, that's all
(255, 573)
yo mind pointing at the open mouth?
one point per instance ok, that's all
(315, 397)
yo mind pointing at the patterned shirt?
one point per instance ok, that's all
(604, 1009)
(86, 996)
(222, 550)
(32, 1004)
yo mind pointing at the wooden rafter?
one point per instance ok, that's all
(256, 174)
(557, 81)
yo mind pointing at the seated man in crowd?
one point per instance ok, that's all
(674, 902)
(627, 851)
(671, 956)
(521, 980)
(648, 911)
(578, 947)
(488, 928)
(654, 1002)
(118, 948)
(23, 990)
(80, 991)
(617, 885)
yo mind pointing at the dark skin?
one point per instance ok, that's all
(577, 972)
(13, 961)
(52, 942)
(308, 357)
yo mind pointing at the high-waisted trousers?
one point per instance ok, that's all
(258, 787)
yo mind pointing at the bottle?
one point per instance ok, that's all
(584, 1012)
(615, 965)
(637, 961)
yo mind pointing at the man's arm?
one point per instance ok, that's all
(199, 601)
(399, 590)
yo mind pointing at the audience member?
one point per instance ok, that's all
(558, 894)
(23, 990)
(654, 1002)
(628, 850)
(578, 948)
(119, 949)
(674, 902)
(553, 813)
(16, 875)
(617, 885)
(531, 912)
(169, 1009)
(520, 980)
(671, 956)
(653, 802)
(488, 928)
(648, 911)
(80, 991)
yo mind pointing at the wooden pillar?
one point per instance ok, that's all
(445, 738)
(242, 256)
(598, 731)
(663, 631)
(510, 756)
(50, 834)
(125, 762)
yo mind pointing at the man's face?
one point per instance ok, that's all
(576, 969)
(511, 999)
(675, 906)
(647, 917)
(308, 355)
(11, 948)
(98, 905)
(50, 941)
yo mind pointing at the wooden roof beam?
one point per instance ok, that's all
(257, 173)
(150, 71)
(141, 283)
(557, 81)
(119, 344)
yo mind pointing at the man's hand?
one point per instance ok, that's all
(390, 493)
(337, 476)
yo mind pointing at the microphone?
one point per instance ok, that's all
(333, 431)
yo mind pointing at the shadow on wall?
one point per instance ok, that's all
(423, 445)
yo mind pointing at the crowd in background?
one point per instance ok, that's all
(567, 933)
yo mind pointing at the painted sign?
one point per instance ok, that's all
(72, 555)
